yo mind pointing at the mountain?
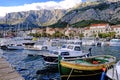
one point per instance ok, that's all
(81, 15)
(93, 12)
(34, 18)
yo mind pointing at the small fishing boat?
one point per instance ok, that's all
(89, 68)
(114, 73)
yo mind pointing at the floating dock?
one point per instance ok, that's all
(7, 72)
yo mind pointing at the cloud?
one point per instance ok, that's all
(64, 4)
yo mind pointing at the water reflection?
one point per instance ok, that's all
(48, 73)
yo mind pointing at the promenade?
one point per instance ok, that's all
(7, 72)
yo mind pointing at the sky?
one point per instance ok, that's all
(7, 6)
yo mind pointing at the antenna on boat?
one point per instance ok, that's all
(90, 51)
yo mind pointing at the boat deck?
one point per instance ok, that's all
(97, 60)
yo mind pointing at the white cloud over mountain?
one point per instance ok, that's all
(64, 4)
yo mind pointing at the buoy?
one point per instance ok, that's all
(95, 62)
(104, 69)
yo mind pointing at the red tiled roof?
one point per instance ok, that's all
(116, 26)
(103, 24)
(51, 30)
(86, 28)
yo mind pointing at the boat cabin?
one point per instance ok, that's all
(71, 47)
(60, 52)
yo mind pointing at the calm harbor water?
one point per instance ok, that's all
(33, 67)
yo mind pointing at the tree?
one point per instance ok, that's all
(44, 34)
(57, 34)
(81, 35)
(112, 34)
(103, 35)
(71, 34)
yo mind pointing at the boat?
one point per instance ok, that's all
(5, 42)
(15, 47)
(69, 51)
(74, 41)
(89, 68)
(12, 44)
(39, 45)
(114, 73)
(90, 41)
(114, 42)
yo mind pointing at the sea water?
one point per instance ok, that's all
(33, 67)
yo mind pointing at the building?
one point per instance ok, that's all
(99, 28)
(116, 29)
(87, 32)
(50, 31)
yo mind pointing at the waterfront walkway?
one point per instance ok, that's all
(7, 72)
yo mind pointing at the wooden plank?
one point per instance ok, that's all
(7, 72)
(5, 65)
(10, 76)
(18, 78)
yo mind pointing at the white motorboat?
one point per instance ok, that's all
(114, 73)
(15, 46)
(12, 43)
(43, 45)
(88, 41)
(69, 51)
(114, 42)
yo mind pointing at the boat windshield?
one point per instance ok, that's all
(44, 48)
(56, 53)
(63, 46)
(77, 48)
(70, 47)
(54, 44)
(78, 43)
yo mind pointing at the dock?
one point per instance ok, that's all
(7, 72)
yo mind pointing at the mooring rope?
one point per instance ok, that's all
(52, 61)
(117, 76)
(70, 74)
(113, 71)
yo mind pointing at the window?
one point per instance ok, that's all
(44, 48)
(70, 47)
(56, 53)
(77, 48)
(54, 44)
(64, 53)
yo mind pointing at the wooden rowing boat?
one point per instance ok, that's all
(87, 68)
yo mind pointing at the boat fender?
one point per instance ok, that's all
(104, 69)
(103, 74)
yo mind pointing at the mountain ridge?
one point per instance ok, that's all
(36, 17)
(84, 13)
